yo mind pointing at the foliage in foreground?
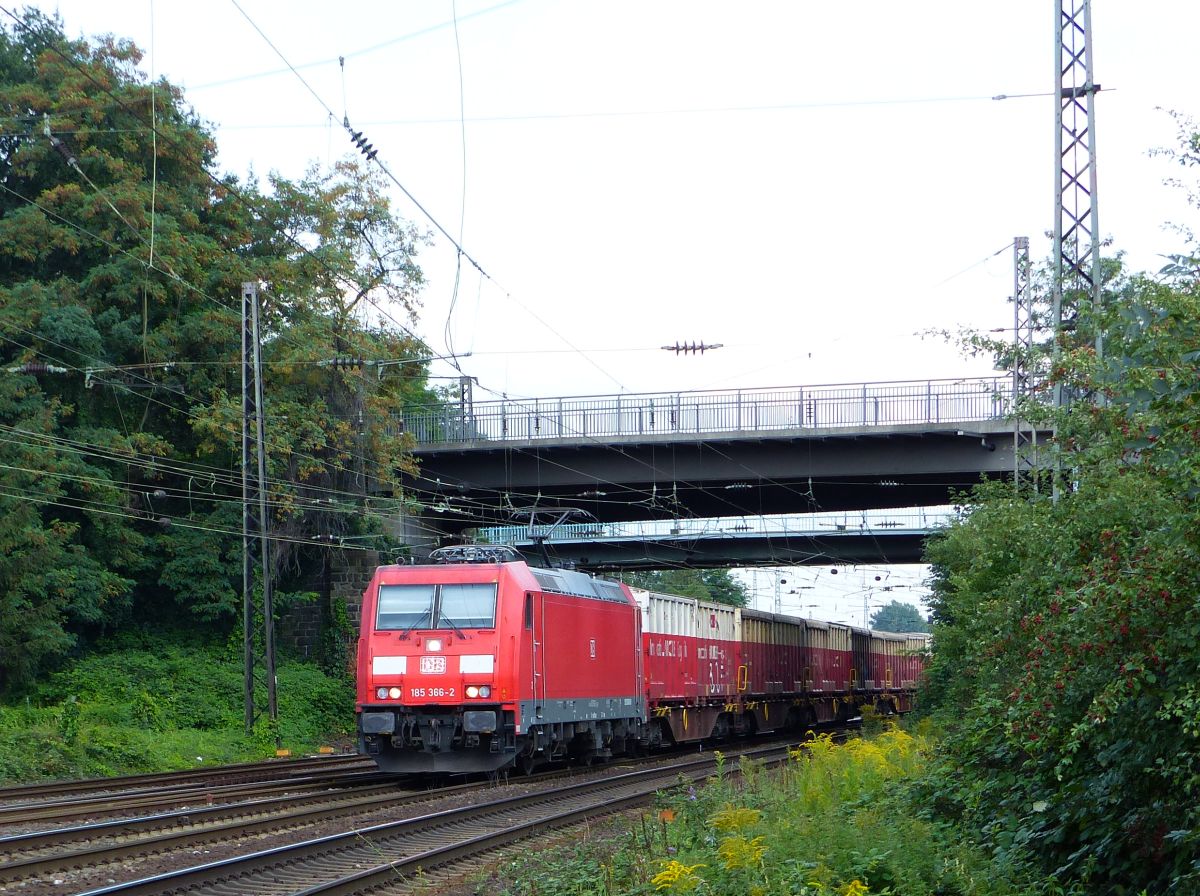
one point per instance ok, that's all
(1067, 632)
(835, 821)
(161, 707)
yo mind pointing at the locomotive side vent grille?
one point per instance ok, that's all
(549, 581)
(610, 590)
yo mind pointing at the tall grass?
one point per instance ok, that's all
(835, 820)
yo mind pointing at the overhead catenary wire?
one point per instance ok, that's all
(372, 155)
(134, 230)
(448, 335)
(125, 252)
(158, 464)
(224, 184)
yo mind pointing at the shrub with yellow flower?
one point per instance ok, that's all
(677, 877)
(731, 819)
(738, 852)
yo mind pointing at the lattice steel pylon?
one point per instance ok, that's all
(1076, 228)
(1025, 459)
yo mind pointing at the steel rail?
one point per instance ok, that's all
(74, 808)
(22, 853)
(23, 856)
(388, 849)
(217, 774)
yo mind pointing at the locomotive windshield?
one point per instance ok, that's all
(404, 607)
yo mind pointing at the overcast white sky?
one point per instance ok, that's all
(799, 181)
(810, 184)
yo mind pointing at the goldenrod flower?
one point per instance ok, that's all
(738, 852)
(734, 818)
(678, 877)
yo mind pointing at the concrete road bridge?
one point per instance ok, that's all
(710, 454)
(867, 537)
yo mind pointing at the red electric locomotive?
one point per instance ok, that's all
(479, 662)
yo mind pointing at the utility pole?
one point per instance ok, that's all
(1024, 443)
(1076, 225)
(466, 405)
(254, 498)
(1076, 218)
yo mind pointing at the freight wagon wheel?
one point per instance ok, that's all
(810, 718)
(527, 762)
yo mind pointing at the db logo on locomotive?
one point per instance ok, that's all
(433, 665)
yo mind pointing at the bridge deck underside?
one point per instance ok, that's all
(633, 480)
(721, 552)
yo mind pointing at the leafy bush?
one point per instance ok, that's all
(1067, 627)
(154, 706)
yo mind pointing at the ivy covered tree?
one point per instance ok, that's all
(1067, 631)
(122, 254)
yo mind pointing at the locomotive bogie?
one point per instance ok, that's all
(437, 740)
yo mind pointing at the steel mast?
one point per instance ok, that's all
(1076, 218)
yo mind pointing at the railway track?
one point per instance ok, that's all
(69, 859)
(213, 776)
(74, 809)
(361, 860)
(43, 852)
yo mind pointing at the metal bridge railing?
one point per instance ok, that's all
(874, 522)
(741, 411)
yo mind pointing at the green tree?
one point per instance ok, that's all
(898, 616)
(122, 254)
(1066, 630)
(717, 585)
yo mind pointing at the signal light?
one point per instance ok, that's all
(381, 693)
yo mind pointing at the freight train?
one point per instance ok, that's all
(479, 662)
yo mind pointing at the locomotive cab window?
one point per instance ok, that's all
(403, 607)
(466, 606)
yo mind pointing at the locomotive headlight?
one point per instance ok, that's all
(433, 645)
(485, 691)
(472, 691)
(394, 693)
(381, 693)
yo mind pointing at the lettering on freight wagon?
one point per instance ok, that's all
(712, 652)
(669, 647)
